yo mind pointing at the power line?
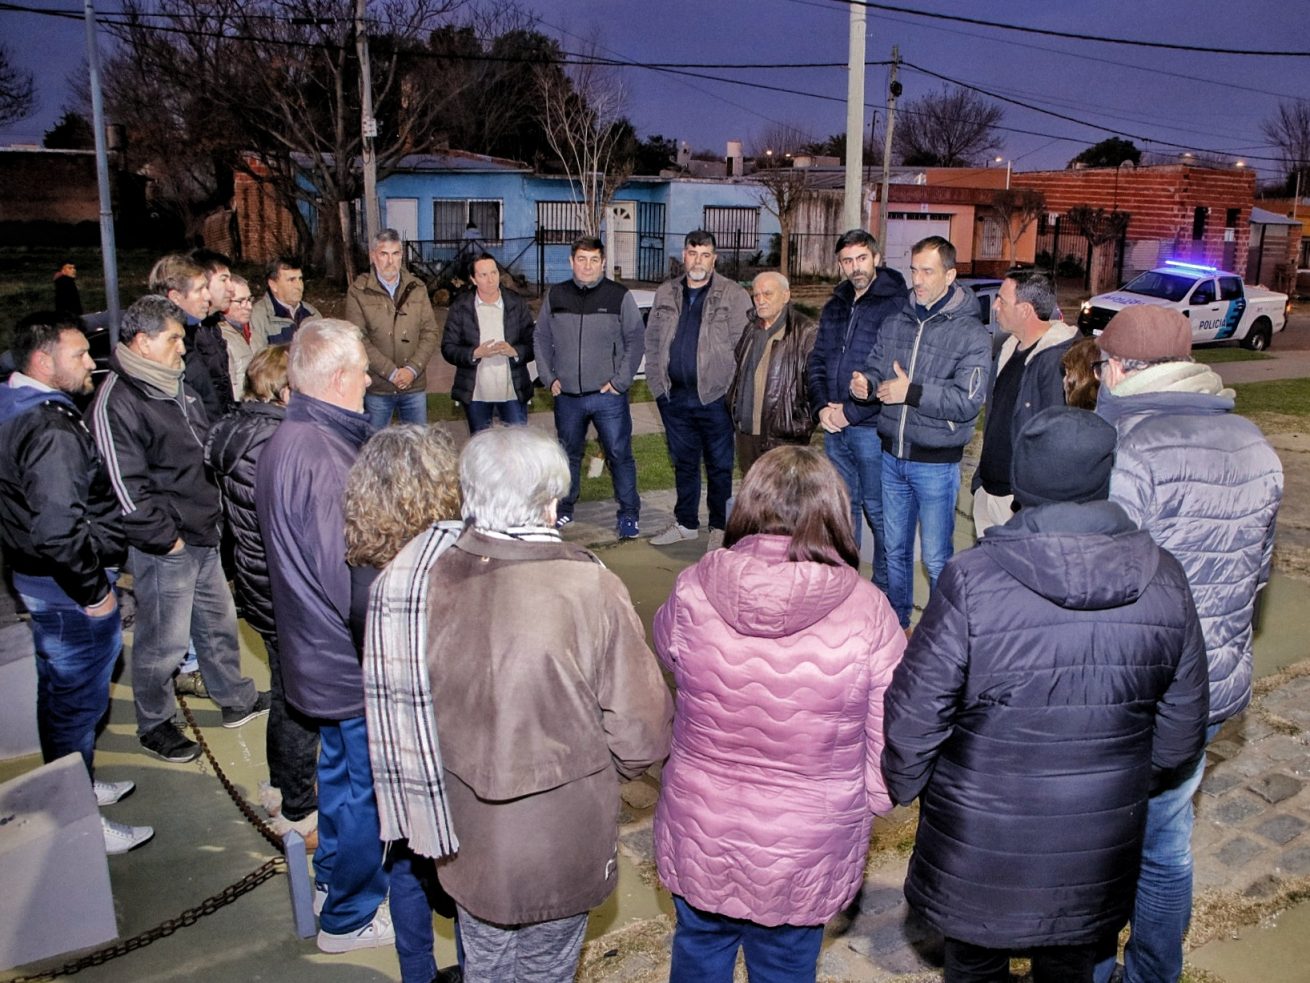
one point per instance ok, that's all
(1070, 35)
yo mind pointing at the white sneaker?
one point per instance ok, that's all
(320, 898)
(374, 935)
(120, 838)
(107, 793)
(674, 534)
(716, 540)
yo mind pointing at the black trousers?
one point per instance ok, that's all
(968, 963)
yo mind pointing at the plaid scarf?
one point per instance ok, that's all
(408, 780)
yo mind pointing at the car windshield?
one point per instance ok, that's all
(1167, 286)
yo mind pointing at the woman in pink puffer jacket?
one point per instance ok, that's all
(781, 652)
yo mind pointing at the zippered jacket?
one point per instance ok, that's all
(587, 337)
(948, 359)
(400, 333)
(724, 316)
(153, 447)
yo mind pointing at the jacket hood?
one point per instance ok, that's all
(1113, 407)
(17, 400)
(760, 593)
(1082, 557)
(350, 425)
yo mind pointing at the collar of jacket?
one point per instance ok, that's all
(369, 281)
(495, 548)
(1058, 333)
(353, 426)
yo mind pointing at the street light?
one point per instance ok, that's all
(1008, 165)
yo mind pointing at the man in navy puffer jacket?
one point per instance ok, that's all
(1057, 676)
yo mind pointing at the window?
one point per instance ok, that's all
(1198, 222)
(733, 227)
(451, 216)
(1204, 292)
(1232, 217)
(1230, 288)
(989, 243)
(558, 222)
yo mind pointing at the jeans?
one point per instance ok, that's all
(697, 432)
(916, 494)
(415, 895)
(480, 414)
(705, 948)
(290, 744)
(612, 417)
(182, 598)
(75, 656)
(968, 963)
(1163, 909)
(349, 855)
(411, 407)
(856, 453)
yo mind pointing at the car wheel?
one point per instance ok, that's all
(1257, 339)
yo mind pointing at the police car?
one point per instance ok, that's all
(1218, 304)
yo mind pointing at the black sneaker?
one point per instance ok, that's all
(233, 717)
(170, 744)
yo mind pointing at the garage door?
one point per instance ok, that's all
(904, 229)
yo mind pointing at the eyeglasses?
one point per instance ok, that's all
(243, 300)
(1099, 366)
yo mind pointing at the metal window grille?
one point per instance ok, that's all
(734, 227)
(450, 217)
(558, 222)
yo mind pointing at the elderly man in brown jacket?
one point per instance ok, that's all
(391, 307)
(545, 697)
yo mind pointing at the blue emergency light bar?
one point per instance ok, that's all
(1191, 266)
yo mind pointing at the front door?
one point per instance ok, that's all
(402, 215)
(621, 226)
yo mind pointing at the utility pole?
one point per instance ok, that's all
(893, 90)
(368, 126)
(851, 211)
(108, 254)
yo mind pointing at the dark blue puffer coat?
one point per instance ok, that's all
(1058, 671)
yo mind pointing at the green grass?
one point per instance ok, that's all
(1279, 406)
(654, 471)
(1227, 353)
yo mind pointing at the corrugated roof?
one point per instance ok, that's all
(1261, 216)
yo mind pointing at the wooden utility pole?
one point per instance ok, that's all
(851, 211)
(893, 90)
(368, 126)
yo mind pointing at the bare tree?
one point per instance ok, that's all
(949, 128)
(1101, 229)
(1016, 209)
(1289, 131)
(17, 90)
(273, 86)
(783, 186)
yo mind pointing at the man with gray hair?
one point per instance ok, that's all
(1206, 485)
(300, 485)
(150, 428)
(1027, 377)
(391, 307)
(546, 696)
(769, 398)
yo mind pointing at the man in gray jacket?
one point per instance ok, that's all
(929, 371)
(1206, 485)
(691, 338)
(588, 347)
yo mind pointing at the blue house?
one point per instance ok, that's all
(527, 220)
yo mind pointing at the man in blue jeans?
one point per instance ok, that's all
(848, 327)
(1206, 485)
(695, 323)
(588, 344)
(391, 307)
(62, 533)
(928, 371)
(150, 427)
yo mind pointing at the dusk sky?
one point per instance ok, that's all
(1208, 102)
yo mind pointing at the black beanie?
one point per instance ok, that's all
(1062, 455)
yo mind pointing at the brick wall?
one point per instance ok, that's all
(265, 228)
(1161, 200)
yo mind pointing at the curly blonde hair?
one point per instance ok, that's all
(405, 478)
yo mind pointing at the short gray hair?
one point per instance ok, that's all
(386, 235)
(321, 347)
(149, 316)
(775, 276)
(509, 476)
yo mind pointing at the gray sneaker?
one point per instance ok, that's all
(232, 717)
(674, 534)
(170, 744)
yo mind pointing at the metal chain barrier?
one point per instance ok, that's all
(267, 870)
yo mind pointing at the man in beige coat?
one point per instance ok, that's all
(391, 307)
